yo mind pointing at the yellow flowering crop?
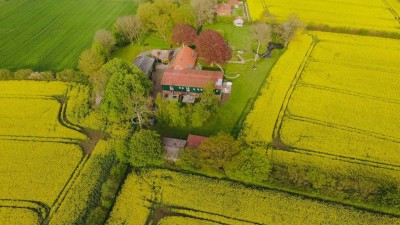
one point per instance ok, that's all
(345, 102)
(176, 220)
(36, 170)
(260, 122)
(361, 14)
(226, 202)
(32, 88)
(18, 216)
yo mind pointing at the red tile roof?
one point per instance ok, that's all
(192, 78)
(185, 59)
(194, 141)
(224, 9)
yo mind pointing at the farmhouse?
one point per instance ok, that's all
(190, 82)
(145, 64)
(185, 59)
(173, 146)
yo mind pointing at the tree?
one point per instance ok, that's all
(162, 15)
(90, 62)
(209, 100)
(287, 31)
(217, 151)
(130, 28)
(124, 79)
(204, 11)
(183, 34)
(105, 38)
(22, 74)
(212, 47)
(70, 75)
(176, 114)
(6, 74)
(261, 32)
(145, 148)
(250, 165)
(140, 108)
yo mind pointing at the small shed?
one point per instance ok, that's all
(145, 64)
(194, 141)
(238, 22)
(172, 147)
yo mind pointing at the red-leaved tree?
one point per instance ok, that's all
(212, 47)
(183, 34)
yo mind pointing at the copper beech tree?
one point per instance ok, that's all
(183, 34)
(212, 47)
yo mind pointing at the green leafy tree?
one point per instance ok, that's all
(216, 152)
(90, 61)
(124, 79)
(6, 74)
(250, 165)
(145, 148)
(176, 114)
(161, 16)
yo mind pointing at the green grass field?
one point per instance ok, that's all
(50, 35)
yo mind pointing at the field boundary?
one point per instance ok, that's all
(279, 119)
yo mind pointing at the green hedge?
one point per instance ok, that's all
(85, 193)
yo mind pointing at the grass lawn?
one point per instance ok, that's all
(131, 51)
(51, 34)
(245, 88)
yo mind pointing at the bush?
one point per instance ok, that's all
(70, 75)
(96, 216)
(6, 74)
(22, 74)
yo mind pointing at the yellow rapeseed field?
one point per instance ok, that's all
(19, 216)
(227, 203)
(360, 14)
(260, 122)
(345, 102)
(33, 118)
(36, 170)
(38, 150)
(32, 88)
(176, 220)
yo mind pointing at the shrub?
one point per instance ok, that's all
(22, 74)
(6, 74)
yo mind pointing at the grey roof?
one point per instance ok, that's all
(144, 63)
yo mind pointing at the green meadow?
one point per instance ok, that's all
(51, 34)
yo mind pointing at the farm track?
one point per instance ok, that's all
(356, 94)
(357, 66)
(278, 122)
(40, 208)
(359, 44)
(395, 14)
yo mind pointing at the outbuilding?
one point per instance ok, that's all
(145, 64)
